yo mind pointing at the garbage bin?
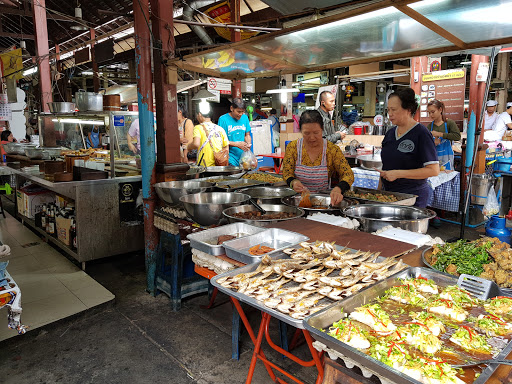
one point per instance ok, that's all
(480, 185)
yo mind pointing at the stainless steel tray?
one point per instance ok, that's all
(237, 184)
(326, 317)
(199, 240)
(279, 239)
(403, 198)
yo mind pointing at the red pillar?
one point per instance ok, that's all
(418, 67)
(476, 99)
(234, 5)
(95, 70)
(166, 79)
(147, 136)
(43, 54)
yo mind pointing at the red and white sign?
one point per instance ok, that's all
(378, 120)
(223, 86)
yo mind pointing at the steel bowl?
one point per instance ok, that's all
(228, 213)
(12, 148)
(206, 208)
(319, 200)
(52, 151)
(268, 195)
(171, 191)
(34, 153)
(220, 171)
(373, 217)
(370, 161)
(61, 107)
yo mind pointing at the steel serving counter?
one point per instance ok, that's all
(100, 232)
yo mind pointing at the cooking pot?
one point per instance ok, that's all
(112, 102)
(88, 101)
(61, 107)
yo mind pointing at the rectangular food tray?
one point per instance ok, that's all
(403, 198)
(198, 239)
(279, 239)
(238, 184)
(323, 319)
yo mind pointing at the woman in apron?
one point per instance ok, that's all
(93, 138)
(445, 131)
(311, 162)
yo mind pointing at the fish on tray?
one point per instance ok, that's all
(492, 325)
(447, 308)
(470, 340)
(348, 332)
(405, 294)
(434, 323)
(423, 284)
(500, 305)
(459, 295)
(374, 317)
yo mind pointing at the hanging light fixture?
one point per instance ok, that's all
(343, 85)
(381, 87)
(78, 15)
(202, 94)
(24, 53)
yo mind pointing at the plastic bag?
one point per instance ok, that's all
(248, 161)
(491, 207)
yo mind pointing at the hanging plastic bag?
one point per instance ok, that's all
(248, 161)
(491, 207)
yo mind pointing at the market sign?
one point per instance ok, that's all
(222, 13)
(12, 64)
(444, 75)
(449, 88)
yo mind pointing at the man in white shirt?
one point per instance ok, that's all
(490, 115)
(502, 123)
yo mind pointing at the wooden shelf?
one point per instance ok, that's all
(31, 223)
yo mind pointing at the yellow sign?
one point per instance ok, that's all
(443, 75)
(222, 13)
(12, 64)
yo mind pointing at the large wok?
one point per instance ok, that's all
(322, 203)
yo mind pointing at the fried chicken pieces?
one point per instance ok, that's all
(501, 270)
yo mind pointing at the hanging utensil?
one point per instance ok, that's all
(263, 212)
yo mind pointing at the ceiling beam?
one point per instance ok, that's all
(413, 14)
(17, 36)
(4, 10)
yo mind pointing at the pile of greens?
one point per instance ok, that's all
(468, 257)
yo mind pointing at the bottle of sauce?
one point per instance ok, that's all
(43, 217)
(72, 233)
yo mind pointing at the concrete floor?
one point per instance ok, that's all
(139, 339)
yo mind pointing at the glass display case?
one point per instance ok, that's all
(114, 131)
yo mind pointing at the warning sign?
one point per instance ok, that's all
(223, 86)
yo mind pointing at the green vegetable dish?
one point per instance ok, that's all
(466, 257)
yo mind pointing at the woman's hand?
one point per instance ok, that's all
(390, 175)
(437, 134)
(336, 196)
(298, 186)
(183, 140)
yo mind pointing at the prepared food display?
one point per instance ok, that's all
(426, 331)
(371, 196)
(264, 177)
(257, 215)
(312, 278)
(260, 250)
(487, 257)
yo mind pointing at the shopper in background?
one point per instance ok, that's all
(490, 114)
(311, 162)
(503, 122)
(186, 128)
(209, 138)
(238, 130)
(5, 137)
(327, 103)
(445, 131)
(408, 153)
(134, 134)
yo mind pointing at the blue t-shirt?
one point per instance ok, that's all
(415, 149)
(235, 130)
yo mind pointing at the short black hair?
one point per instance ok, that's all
(322, 95)
(183, 109)
(407, 99)
(273, 111)
(5, 135)
(311, 116)
(238, 103)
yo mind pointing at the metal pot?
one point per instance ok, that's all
(370, 161)
(319, 200)
(88, 101)
(480, 185)
(298, 212)
(373, 217)
(379, 130)
(61, 107)
(34, 153)
(171, 191)
(268, 195)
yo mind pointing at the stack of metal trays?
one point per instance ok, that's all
(207, 241)
(323, 319)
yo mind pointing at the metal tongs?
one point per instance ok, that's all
(258, 207)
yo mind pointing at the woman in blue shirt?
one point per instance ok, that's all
(409, 154)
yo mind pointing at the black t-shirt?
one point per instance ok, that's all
(415, 149)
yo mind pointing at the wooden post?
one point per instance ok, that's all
(234, 5)
(476, 99)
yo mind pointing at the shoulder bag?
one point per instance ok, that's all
(221, 157)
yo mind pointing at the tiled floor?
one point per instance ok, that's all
(52, 287)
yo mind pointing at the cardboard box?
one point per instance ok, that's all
(33, 199)
(20, 201)
(63, 229)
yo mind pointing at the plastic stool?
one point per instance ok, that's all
(8, 191)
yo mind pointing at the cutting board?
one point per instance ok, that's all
(345, 237)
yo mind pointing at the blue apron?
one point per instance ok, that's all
(444, 150)
(95, 137)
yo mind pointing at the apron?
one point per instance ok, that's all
(313, 178)
(444, 150)
(95, 137)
